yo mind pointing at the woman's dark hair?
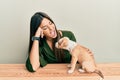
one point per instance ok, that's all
(36, 20)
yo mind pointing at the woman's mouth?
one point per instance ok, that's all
(53, 34)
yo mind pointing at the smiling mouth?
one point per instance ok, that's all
(52, 33)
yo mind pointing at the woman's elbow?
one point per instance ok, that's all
(35, 68)
(31, 68)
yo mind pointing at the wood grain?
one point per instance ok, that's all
(111, 71)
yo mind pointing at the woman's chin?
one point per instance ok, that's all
(54, 36)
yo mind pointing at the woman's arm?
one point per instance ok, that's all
(34, 55)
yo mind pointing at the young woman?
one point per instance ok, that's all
(43, 36)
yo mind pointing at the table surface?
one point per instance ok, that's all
(111, 71)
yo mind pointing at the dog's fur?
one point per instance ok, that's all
(80, 54)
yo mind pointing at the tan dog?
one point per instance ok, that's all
(80, 54)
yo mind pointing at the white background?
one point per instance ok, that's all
(95, 23)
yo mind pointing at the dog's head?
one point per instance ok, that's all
(66, 43)
(62, 43)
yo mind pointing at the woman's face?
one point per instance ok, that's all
(48, 28)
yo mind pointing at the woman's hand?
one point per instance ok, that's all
(34, 53)
(39, 33)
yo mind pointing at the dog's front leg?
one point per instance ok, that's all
(73, 64)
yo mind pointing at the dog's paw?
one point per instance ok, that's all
(70, 71)
(101, 79)
(81, 70)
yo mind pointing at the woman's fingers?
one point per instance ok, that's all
(41, 34)
(38, 32)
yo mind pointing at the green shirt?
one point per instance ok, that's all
(47, 54)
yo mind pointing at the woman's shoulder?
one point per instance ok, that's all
(66, 33)
(70, 34)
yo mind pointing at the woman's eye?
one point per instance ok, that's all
(44, 28)
(50, 23)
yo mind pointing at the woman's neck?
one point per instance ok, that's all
(49, 39)
(49, 42)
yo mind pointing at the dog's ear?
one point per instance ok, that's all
(66, 38)
(60, 41)
(57, 44)
(64, 41)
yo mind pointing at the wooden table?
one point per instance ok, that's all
(111, 71)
